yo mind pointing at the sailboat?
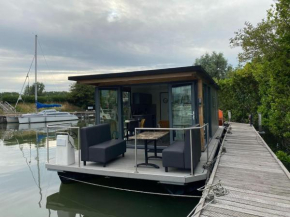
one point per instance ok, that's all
(49, 115)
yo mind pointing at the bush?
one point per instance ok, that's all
(56, 97)
(30, 107)
(284, 158)
(12, 99)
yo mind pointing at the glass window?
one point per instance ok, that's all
(126, 97)
(181, 109)
(109, 110)
(126, 106)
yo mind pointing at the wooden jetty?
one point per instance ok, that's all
(85, 114)
(258, 184)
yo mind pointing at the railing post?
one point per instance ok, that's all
(260, 122)
(136, 151)
(207, 141)
(47, 144)
(79, 142)
(191, 157)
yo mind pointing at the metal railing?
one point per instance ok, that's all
(177, 129)
(64, 127)
(136, 129)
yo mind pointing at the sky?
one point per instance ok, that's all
(80, 37)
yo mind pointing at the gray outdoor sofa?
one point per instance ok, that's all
(177, 154)
(98, 146)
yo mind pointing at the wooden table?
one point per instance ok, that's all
(153, 136)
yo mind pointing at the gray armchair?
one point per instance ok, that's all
(98, 146)
(177, 155)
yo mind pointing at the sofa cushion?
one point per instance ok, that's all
(106, 151)
(93, 135)
(196, 149)
(172, 156)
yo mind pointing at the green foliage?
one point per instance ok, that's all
(238, 93)
(284, 158)
(48, 97)
(255, 41)
(267, 49)
(9, 97)
(215, 65)
(82, 95)
(30, 90)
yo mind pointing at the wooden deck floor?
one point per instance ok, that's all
(258, 183)
(124, 167)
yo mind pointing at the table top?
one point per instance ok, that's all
(150, 135)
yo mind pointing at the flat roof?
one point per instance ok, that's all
(189, 72)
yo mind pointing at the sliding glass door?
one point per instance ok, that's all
(182, 109)
(109, 110)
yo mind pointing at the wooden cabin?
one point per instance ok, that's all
(169, 107)
(174, 97)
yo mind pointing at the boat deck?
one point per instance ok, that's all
(125, 167)
(258, 183)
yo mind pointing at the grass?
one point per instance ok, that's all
(30, 107)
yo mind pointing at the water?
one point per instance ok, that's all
(28, 189)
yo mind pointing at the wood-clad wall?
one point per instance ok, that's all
(200, 112)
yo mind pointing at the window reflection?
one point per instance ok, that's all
(109, 110)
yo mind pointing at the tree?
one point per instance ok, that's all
(267, 48)
(256, 42)
(30, 90)
(215, 65)
(239, 94)
(82, 95)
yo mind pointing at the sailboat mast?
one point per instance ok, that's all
(35, 72)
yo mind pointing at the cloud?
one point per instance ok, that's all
(85, 37)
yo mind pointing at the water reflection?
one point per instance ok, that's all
(23, 176)
(87, 200)
(37, 182)
(28, 189)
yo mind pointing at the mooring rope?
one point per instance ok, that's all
(214, 190)
(129, 190)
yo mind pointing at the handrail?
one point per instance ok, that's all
(59, 126)
(186, 128)
(136, 129)
(168, 129)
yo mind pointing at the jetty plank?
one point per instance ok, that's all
(258, 183)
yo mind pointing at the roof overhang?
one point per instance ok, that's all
(146, 77)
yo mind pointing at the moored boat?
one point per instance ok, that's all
(12, 119)
(49, 115)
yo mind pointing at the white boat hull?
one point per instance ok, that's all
(27, 120)
(12, 119)
(42, 126)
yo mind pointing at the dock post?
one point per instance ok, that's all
(260, 122)
(229, 115)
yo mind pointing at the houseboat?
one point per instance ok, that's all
(159, 125)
